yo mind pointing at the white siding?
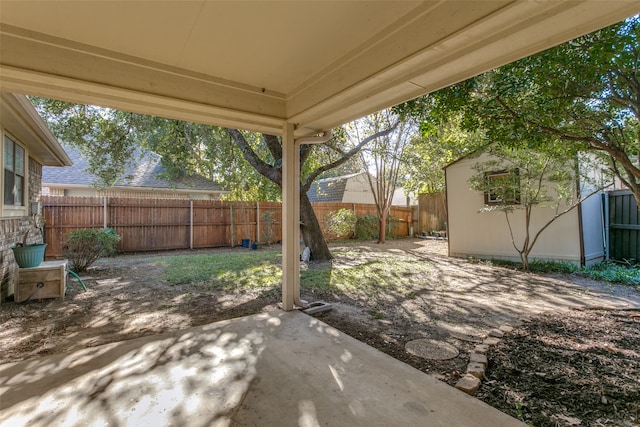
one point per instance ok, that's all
(119, 192)
(357, 190)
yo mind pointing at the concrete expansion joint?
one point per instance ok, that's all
(478, 360)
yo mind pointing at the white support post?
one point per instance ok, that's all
(290, 218)
(104, 213)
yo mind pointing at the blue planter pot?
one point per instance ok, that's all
(29, 256)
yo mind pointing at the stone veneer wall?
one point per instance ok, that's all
(12, 231)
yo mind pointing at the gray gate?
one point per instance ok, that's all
(624, 226)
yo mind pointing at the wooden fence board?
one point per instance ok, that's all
(432, 212)
(163, 224)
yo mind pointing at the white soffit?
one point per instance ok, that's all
(257, 64)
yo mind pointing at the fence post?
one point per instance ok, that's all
(190, 224)
(104, 213)
(257, 222)
(233, 227)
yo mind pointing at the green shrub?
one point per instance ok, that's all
(341, 223)
(367, 227)
(109, 239)
(616, 273)
(608, 271)
(86, 245)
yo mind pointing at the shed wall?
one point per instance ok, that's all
(486, 235)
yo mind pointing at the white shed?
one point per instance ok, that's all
(576, 237)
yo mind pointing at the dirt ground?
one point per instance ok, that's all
(561, 366)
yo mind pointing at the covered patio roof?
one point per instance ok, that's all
(256, 64)
(291, 68)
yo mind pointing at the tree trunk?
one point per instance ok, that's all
(524, 257)
(311, 231)
(382, 227)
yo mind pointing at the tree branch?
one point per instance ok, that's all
(250, 156)
(274, 145)
(348, 155)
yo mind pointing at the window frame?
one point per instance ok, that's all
(491, 199)
(14, 210)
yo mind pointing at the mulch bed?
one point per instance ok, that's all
(575, 368)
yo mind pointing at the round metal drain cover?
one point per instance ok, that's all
(431, 349)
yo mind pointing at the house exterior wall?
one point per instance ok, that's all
(486, 235)
(12, 230)
(140, 194)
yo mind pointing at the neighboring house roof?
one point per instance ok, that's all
(329, 189)
(21, 119)
(144, 172)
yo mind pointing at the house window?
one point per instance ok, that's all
(503, 188)
(14, 173)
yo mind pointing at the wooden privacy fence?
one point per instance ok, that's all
(165, 224)
(432, 212)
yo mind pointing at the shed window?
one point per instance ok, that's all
(503, 188)
(14, 173)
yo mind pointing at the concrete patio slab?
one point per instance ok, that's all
(272, 369)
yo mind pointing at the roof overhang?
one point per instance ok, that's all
(258, 65)
(24, 123)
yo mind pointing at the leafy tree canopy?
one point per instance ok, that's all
(584, 93)
(109, 139)
(434, 147)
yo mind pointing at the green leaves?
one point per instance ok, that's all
(106, 137)
(437, 145)
(582, 95)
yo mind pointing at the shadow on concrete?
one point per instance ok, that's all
(268, 369)
(191, 377)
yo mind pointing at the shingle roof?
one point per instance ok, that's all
(145, 171)
(329, 189)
